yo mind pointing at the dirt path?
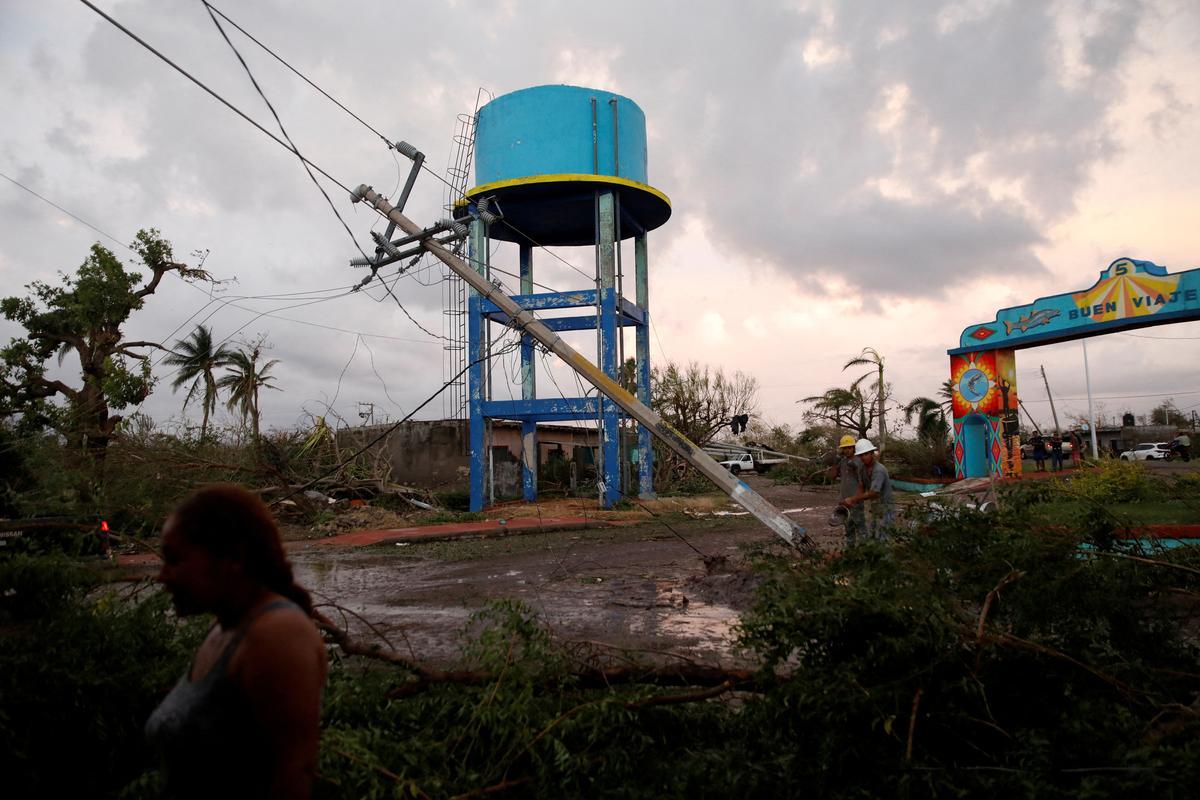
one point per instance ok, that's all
(634, 587)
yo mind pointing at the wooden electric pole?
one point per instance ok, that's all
(1057, 431)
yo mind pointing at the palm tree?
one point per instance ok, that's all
(197, 360)
(845, 409)
(870, 357)
(931, 419)
(946, 392)
(244, 379)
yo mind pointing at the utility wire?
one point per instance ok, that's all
(386, 432)
(290, 147)
(229, 301)
(216, 96)
(282, 129)
(50, 202)
(1162, 338)
(299, 74)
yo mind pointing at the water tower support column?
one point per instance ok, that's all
(477, 336)
(642, 334)
(529, 441)
(610, 428)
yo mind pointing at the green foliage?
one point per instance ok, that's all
(1187, 486)
(1114, 481)
(686, 482)
(981, 655)
(245, 378)
(1061, 691)
(80, 671)
(454, 499)
(918, 458)
(83, 314)
(197, 359)
(792, 472)
(38, 586)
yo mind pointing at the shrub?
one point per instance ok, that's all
(1112, 481)
(80, 671)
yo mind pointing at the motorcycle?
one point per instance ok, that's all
(1178, 451)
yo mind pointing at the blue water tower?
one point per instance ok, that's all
(566, 167)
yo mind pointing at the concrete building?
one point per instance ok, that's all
(436, 454)
(1116, 439)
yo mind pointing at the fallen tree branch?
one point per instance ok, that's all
(987, 605)
(1034, 647)
(676, 699)
(495, 788)
(1141, 560)
(593, 677)
(912, 724)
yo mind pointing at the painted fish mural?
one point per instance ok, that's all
(1129, 294)
(1033, 319)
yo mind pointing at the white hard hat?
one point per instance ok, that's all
(863, 446)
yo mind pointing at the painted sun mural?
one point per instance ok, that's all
(1125, 291)
(974, 380)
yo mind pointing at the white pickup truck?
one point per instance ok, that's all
(758, 460)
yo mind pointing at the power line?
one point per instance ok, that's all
(1111, 397)
(228, 301)
(282, 129)
(300, 74)
(1162, 338)
(391, 428)
(48, 201)
(214, 95)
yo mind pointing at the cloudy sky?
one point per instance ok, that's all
(843, 175)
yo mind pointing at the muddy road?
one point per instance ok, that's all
(643, 586)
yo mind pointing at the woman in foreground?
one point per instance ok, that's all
(244, 720)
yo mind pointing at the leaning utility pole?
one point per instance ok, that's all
(1057, 431)
(526, 322)
(1029, 416)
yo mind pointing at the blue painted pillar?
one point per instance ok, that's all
(476, 375)
(642, 334)
(610, 427)
(529, 441)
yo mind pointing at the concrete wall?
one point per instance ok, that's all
(1129, 436)
(434, 454)
(430, 454)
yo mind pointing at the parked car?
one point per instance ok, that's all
(1148, 451)
(1027, 449)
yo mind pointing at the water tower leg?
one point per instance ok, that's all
(610, 428)
(529, 445)
(476, 344)
(642, 334)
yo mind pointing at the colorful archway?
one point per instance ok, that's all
(1129, 294)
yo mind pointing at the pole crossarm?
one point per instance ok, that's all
(523, 320)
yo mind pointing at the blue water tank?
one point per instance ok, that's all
(544, 152)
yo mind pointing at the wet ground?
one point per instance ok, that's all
(668, 585)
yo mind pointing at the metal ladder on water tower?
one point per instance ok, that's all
(454, 290)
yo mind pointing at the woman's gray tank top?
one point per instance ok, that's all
(206, 734)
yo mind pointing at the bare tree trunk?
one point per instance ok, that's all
(882, 427)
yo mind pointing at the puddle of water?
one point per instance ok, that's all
(425, 605)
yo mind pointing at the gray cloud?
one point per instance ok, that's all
(903, 147)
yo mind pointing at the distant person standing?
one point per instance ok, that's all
(1056, 454)
(1076, 448)
(876, 494)
(849, 472)
(1039, 451)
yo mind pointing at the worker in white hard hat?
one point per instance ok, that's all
(848, 469)
(875, 496)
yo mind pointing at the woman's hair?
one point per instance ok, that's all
(229, 521)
